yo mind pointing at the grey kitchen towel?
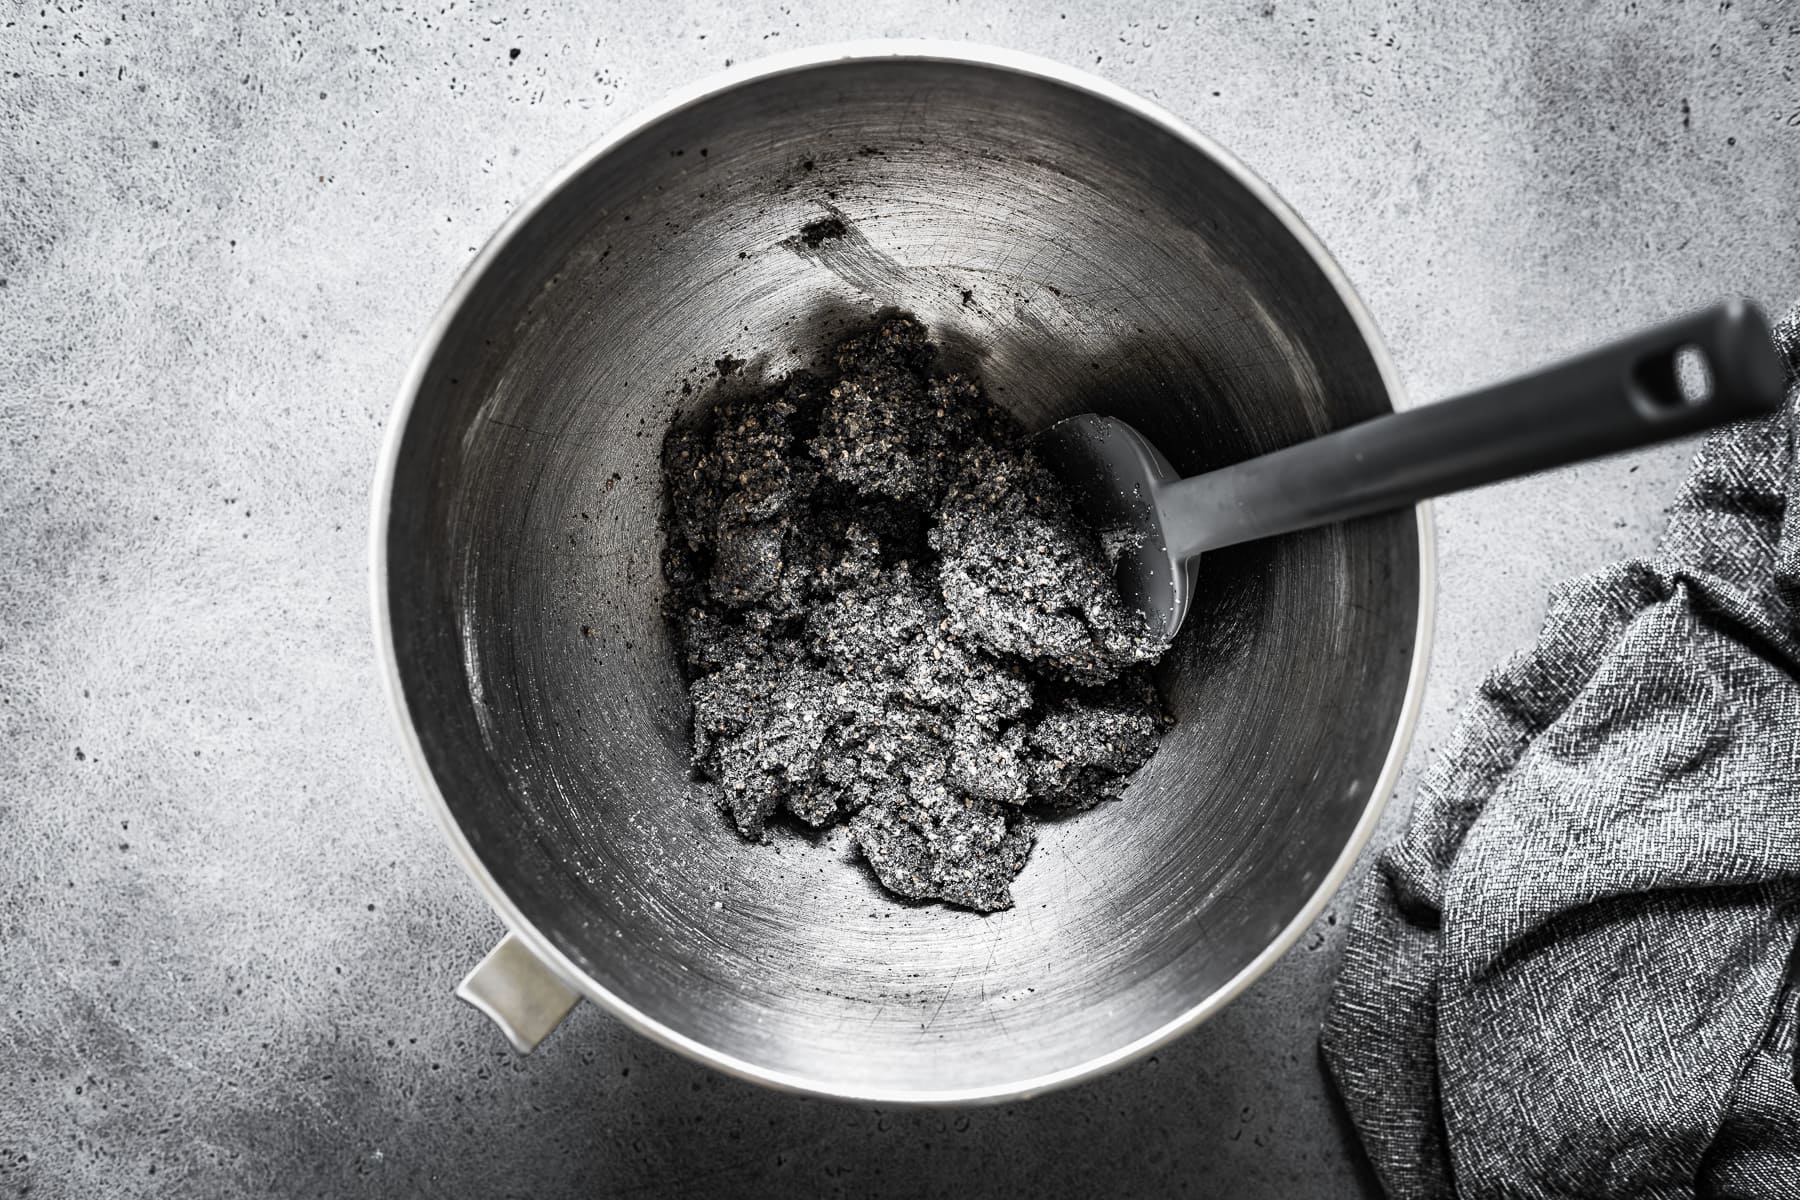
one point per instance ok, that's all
(1575, 974)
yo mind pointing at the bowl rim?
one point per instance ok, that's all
(431, 342)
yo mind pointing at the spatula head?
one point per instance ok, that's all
(1114, 476)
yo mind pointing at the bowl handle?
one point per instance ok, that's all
(516, 991)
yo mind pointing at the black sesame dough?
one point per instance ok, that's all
(888, 614)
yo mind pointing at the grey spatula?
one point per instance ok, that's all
(1675, 379)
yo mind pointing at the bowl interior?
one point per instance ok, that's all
(1080, 256)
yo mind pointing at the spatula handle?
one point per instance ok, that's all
(1688, 375)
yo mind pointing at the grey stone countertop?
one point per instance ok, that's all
(230, 930)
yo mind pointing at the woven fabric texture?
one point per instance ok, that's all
(1575, 974)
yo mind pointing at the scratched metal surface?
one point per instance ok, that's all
(1078, 257)
(229, 930)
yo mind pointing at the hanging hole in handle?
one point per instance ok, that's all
(1693, 375)
(1683, 379)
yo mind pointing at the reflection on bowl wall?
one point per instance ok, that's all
(1081, 251)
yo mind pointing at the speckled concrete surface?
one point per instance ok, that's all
(228, 932)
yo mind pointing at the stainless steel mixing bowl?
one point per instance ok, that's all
(1083, 251)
